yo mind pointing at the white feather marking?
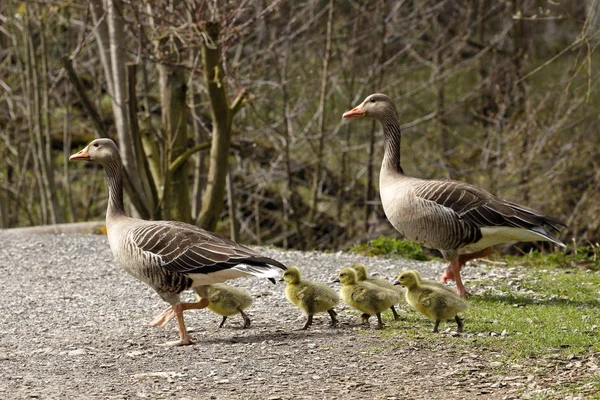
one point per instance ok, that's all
(502, 234)
(234, 272)
(261, 272)
(215, 277)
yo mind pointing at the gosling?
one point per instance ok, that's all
(364, 296)
(431, 300)
(226, 301)
(310, 297)
(362, 276)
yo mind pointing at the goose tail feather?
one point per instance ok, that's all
(262, 267)
(541, 231)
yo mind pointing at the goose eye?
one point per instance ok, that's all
(96, 145)
(372, 100)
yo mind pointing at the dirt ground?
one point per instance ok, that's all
(76, 326)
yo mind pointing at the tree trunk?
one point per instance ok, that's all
(176, 190)
(234, 224)
(66, 152)
(142, 161)
(34, 119)
(200, 136)
(221, 114)
(46, 150)
(290, 199)
(439, 58)
(118, 57)
(111, 39)
(316, 187)
(519, 94)
(370, 187)
(343, 192)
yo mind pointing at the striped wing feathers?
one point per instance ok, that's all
(481, 208)
(188, 249)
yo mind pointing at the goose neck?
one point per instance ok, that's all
(114, 179)
(392, 134)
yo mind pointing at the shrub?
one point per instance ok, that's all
(391, 247)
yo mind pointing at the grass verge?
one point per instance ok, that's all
(539, 316)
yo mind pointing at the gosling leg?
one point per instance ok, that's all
(364, 318)
(308, 323)
(332, 315)
(435, 327)
(223, 321)
(396, 316)
(379, 322)
(459, 323)
(246, 319)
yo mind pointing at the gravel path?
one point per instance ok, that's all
(76, 327)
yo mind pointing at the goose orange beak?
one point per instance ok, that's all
(356, 112)
(81, 155)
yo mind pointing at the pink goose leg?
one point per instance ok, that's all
(452, 273)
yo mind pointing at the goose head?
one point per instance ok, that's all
(101, 151)
(376, 106)
(347, 276)
(291, 275)
(361, 271)
(408, 278)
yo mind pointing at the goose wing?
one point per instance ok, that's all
(184, 248)
(361, 294)
(303, 294)
(428, 299)
(479, 208)
(215, 295)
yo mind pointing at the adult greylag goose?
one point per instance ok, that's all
(462, 221)
(170, 256)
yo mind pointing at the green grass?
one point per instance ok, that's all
(552, 317)
(589, 386)
(559, 315)
(555, 313)
(562, 317)
(391, 247)
(584, 257)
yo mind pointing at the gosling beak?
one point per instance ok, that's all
(336, 280)
(81, 155)
(281, 280)
(396, 283)
(356, 112)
